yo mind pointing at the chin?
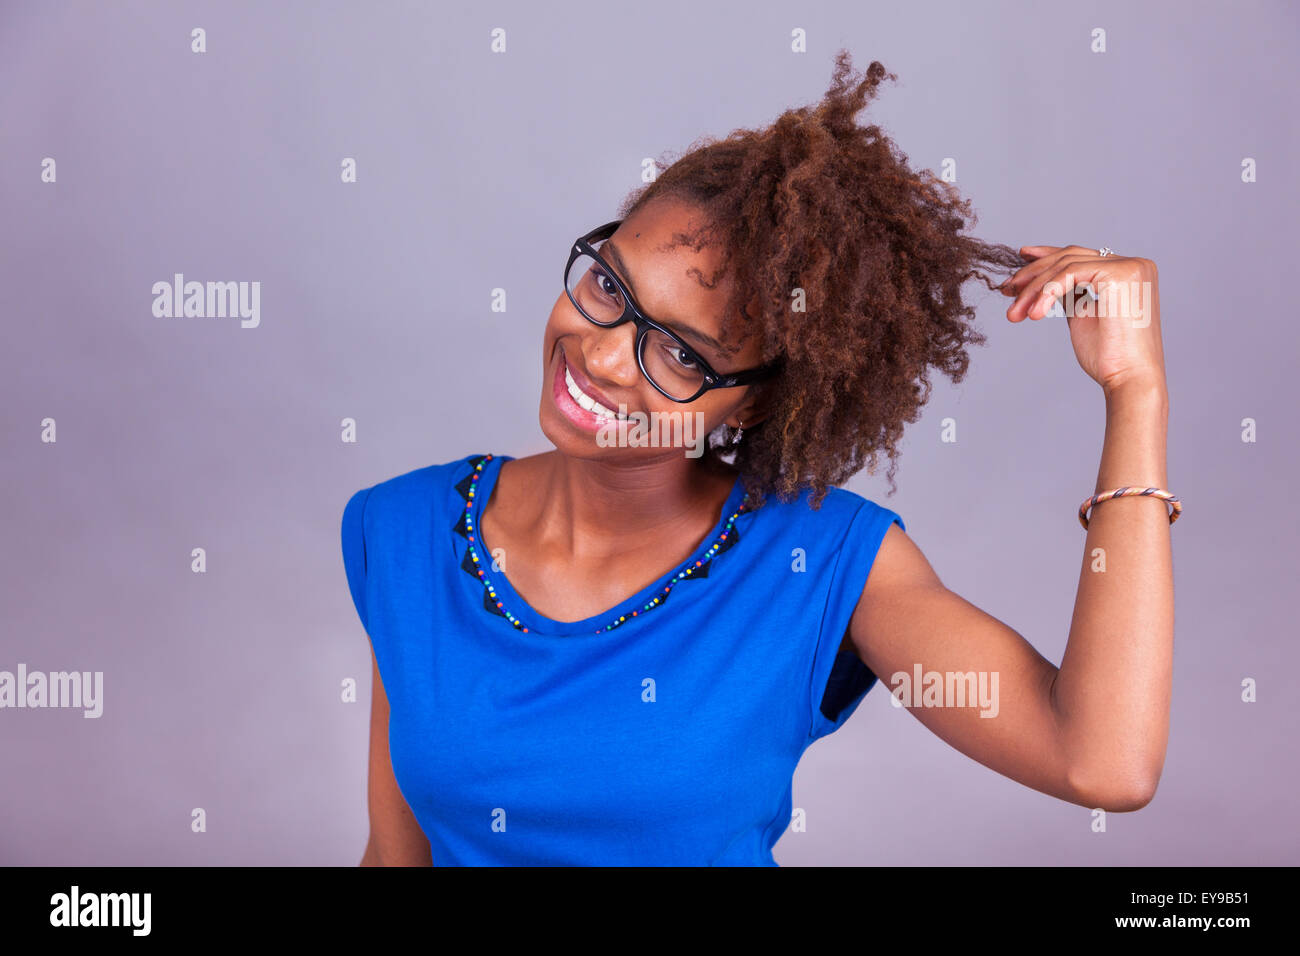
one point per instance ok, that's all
(574, 443)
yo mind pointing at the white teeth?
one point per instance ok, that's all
(585, 400)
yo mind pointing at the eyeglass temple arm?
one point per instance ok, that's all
(753, 375)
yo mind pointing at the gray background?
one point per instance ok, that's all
(475, 171)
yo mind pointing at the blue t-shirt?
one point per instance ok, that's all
(664, 731)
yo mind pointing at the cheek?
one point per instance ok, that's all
(556, 325)
(563, 320)
(556, 317)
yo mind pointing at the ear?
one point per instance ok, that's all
(754, 408)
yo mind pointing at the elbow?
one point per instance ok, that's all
(1127, 801)
(1114, 792)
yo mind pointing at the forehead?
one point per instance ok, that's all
(669, 277)
(664, 223)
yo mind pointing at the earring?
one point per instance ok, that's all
(735, 439)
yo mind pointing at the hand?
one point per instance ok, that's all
(1116, 338)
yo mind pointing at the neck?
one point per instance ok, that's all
(596, 508)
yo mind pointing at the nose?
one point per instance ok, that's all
(610, 355)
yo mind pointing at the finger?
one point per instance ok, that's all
(1026, 273)
(1077, 250)
(1029, 282)
(1029, 254)
(1073, 272)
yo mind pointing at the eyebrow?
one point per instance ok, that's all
(612, 250)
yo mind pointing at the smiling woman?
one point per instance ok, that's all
(617, 653)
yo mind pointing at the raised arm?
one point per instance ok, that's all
(1094, 730)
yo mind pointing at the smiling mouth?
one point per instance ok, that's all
(586, 401)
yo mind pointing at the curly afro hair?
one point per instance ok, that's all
(850, 266)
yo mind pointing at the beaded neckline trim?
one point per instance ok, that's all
(692, 570)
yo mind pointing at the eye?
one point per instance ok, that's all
(604, 283)
(682, 359)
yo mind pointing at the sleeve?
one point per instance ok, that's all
(839, 679)
(354, 552)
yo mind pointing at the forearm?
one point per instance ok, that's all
(1112, 691)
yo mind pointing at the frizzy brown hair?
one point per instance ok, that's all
(816, 202)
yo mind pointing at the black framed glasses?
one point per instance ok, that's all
(674, 368)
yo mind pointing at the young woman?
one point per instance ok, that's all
(616, 652)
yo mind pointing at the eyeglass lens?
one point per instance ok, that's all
(599, 299)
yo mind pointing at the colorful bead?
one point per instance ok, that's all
(469, 528)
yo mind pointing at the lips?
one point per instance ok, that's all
(569, 407)
(584, 384)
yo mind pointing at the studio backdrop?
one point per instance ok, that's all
(387, 192)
